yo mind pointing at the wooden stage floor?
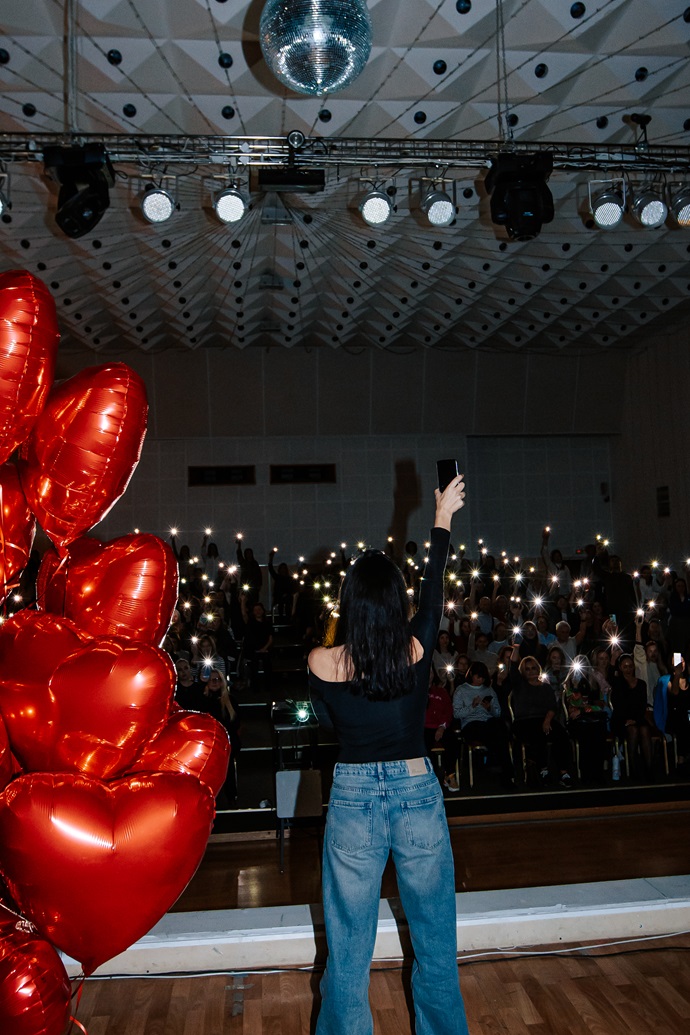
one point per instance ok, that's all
(506, 850)
(643, 989)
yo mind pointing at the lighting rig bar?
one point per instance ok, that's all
(234, 151)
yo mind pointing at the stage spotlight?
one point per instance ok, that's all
(680, 206)
(520, 199)
(296, 139)
(5, 200)
(157, 205)
(438, 207)
(607, 205)
(85, 175)
(230, 205)
(649, 207)
(376, 207)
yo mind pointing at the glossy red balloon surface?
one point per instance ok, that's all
(31, 647)
(17, 528)
(83, 449)
(51, 581)
(127, 587)
(102, 703)
(94, 866)
(190, 742)
(6, 761)
(29, 339)
(34, 987)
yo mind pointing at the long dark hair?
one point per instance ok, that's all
(373, 627)
(478, 668)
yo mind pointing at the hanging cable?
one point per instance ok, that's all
(71, 57)
(502, 76)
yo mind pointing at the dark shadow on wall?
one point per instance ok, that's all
(407, 498)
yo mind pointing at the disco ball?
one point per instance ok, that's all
(315, 46)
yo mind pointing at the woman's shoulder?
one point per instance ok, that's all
(329, 664)
(326, 663)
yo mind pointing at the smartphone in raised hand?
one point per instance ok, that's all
(446, 470)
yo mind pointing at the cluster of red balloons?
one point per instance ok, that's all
(106, 787)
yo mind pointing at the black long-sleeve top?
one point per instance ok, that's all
(387, 731)
(283, 585)
(530, 702)
(628, 702)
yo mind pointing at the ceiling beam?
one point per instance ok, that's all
(334, 152)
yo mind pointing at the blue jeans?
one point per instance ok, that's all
(376, 808)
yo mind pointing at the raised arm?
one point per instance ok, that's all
(427, 619)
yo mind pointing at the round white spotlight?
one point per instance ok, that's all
(230, 205)
(608, 208)
(296, 139)
(376, 208)
(649, 207)
(438, 207)
(680, 207)
(157, 205)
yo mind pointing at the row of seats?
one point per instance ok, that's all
(617, 748)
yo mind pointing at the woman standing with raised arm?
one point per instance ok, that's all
(371, 686)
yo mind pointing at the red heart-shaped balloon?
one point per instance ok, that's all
(29, 339)
(127, 587)
(7, 762)
(98, 707)
(94, 866)
(31, 646)
(83, 449)
(17, 528)
(192, 743)
(35, 991)
(51, 581)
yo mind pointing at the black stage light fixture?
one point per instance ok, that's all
(5, 202)
(85, 175)
(290, 178)
(520, 199)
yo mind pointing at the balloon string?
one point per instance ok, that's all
(78, 993)
(5, 588)
(79, 989)
(40, 598)
(64, 560)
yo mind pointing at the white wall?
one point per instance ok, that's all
(521, 484)
(384, 486)
(383, 419)
(654, 450)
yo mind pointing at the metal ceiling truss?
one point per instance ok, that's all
(334, 152)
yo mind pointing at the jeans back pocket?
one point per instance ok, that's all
(425, 821)
(350, 825)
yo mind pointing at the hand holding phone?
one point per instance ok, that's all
(446, 470)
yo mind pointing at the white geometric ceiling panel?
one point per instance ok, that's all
(317, 275)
